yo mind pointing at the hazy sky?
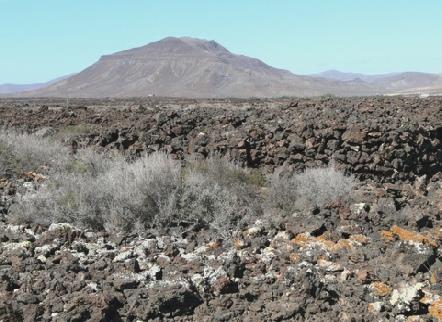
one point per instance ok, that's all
(44, 39)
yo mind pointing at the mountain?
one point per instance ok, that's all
(19, 88)
(189, 67)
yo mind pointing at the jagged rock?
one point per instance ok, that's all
(171, 300)
(376, 258)
(340, 130)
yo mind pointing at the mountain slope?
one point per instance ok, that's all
(188, 67)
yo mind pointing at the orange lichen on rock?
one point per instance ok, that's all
(301, 239)
(294, 258)
(342, 244)
(32, 176)
(360, 239)
(426, 299)
(304, 239)
(414, 318)
(239, 244)
(374, 307)
(328, 265)
(435, 309)
(214, 244)
(433, 278)
(437, 233)
(3, 182)
(327, 243)
(387, 235)
(412, 236)
(380, 289)
(362, 275)
(332, 246)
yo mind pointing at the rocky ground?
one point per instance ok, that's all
(382, 138)
(378, 258)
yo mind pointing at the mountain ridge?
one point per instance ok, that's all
(185, 67)
(191, 67)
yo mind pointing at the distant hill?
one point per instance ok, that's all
(341, 76)
(190, 67)
(406, 82)
(19, 88)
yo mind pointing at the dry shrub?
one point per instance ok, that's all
(102, 191)
(282, 193)
(225, 172)
(22, 152)
(121, 198)
(219, 194)
(316, 187)
(144, 193)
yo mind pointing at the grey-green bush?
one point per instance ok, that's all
(320, 186)
(282, 193)
(218, 195)
(104, 191)
(316, 187)
(123, 197)
(21, 152)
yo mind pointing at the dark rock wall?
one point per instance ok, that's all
(378, 143)
(382, 138)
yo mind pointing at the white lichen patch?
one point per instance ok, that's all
(358, 208)
(329, 266)
(123, 256)
(60, 226)
(404, 295)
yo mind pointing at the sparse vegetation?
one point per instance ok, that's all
(219, 194)
(21, 152)
(107, 192)
(69, 131)
(281, 194)
(321, 186)
(315, 187)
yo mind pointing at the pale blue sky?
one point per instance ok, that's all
(44, 39)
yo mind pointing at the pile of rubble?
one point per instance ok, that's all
(382, 138)
(357, 263)
(378, 258)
